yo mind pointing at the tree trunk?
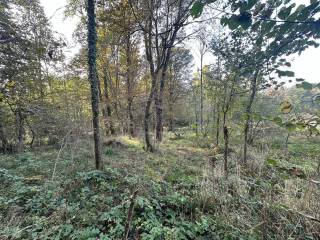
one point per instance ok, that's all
(149, 146)
(107, 112)
(94, 81)
(117, 85)
(248, 114)
(196, 114)
(201, 94)
(159, 103)
(3, 138)
(218, 126)
(226, 143)
(154, 75)
(20, 129)
(171, 101)
(129, 87)
(171, 113)
(159, 99)
(287, 141)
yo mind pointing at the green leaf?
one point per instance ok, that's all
(300, 126)
(247, 5)
(306, 86)
(245, 20)
(197, 9)
(259, 41)
(233, 22)
(272, 162)
(266, 27)
(300, 8)
(285, 11)
(224, 21)
(285, 73)
(290, 127)
(257, 117)
(277, 120)
(300, 80)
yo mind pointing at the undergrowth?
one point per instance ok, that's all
(179, 194)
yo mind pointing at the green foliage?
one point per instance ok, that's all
(197, 9)
(305, 85)
(94, 204)
(272, 162)
(108, 151)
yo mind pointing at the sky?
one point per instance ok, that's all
(305, 66)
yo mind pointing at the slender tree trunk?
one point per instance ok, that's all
(94, 81)
(20, 130)
(171, 101)
(129, 87)
(107, 112)
(287, 141)
(201, 94)
(218, 126)
(20, 144)
(117, 78)
(163, 79)
(226, 108)
(159, 104)
(159, 98)
(196, 113)
(248, 112)
(154, 75)
(147, 114)
(226, 143)
(3, 138)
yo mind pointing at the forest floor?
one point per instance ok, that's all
(175, 193)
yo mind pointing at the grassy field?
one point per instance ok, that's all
(174, 193)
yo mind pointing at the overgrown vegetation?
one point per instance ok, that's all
(181, 194)
(125, 140)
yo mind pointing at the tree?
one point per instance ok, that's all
(27, 50)
(227, 77)
(94, 81)
(273, 30)
(178, 78)
(202, 51)
(161, 26)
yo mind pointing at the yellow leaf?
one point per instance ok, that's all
(286, 107)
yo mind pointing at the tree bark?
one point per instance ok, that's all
(3, 138)
(94, 81)
(248, 112)
(20, 129)
(159, 98)
(129, 87)
(154, 74)
(147, 114)
(218, 126)
(201, 94)
(159, 108)
(107, 112)
(171, 102)
(226, 143)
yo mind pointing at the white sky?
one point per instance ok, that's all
(305, 66)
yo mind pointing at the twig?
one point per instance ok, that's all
(307, 216)
(63, 144)
(130, 214)
(314, 181)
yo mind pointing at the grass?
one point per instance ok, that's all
(180, 194)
